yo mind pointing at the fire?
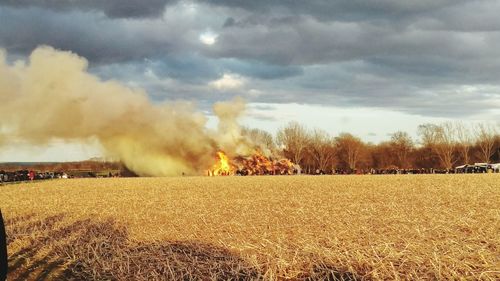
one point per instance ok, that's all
(255, 164)
(222, 167)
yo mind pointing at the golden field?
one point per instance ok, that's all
(409, 227)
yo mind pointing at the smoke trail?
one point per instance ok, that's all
(229, 134)
(54, 97)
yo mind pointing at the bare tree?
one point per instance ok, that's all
(293, 138)
(350, 148)
(485, 139)
(321, 148)
(383, 156)
(402, 145)
(465, 141)
(260, 138)
(427, 133)
(441, 139)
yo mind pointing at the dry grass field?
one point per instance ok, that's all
(420, 227)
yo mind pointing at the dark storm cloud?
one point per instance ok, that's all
(111, 8)
(365, 84)
(88, 35)
(194, 69)
(307, 41)
(94, 36)
(202, 69)
(471, 16)
(350, 10)
(261, 70)
(429, 62)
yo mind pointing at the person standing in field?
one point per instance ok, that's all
(3, 250)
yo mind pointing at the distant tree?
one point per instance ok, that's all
(383, 156)
(95, 166)
(366, 160)
(261, 138)
(485, 139)
(350, 149)
(496, 156)
(308, 163)
(464, 141)
(401, 145)
(441, 140)
(321, 148)
(66, 166)
(427, 133)
(293, 139)
(425, 157)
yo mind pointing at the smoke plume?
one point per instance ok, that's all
(52, 96)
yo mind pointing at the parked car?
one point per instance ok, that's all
(476, 168)
(495, 168)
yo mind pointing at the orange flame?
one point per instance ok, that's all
(256, 164)
(222, 167)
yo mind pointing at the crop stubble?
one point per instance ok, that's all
(273, 228)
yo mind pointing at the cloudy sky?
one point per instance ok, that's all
(367, 67)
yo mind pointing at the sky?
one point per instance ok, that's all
(365, 67)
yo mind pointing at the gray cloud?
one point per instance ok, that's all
(341, 10)
(471, 16)
(86, 34)
(111, 8)
(94, 36)
(307, 41)
(434, 58)
(354, 84)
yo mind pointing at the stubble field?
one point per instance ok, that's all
(244, 228)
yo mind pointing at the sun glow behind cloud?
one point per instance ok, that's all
(208, 38)
(228, 82)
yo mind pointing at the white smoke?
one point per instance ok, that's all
(52, 96)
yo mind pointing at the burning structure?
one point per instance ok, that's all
(255, 164)
(52, 97)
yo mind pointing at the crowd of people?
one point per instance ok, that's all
(394, 171)
(465, 169)
(28, 175)
(31, 175)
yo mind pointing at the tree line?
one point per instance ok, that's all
(438, 146)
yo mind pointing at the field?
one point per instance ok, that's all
(243, 228)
